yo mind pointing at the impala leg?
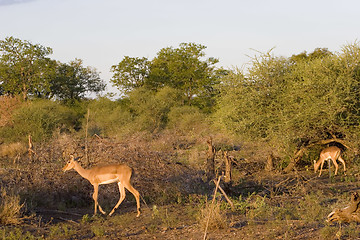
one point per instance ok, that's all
(136, 195)
(343, 163)
(336, 166)
(321, 167)
(95, 197)
(122, 197)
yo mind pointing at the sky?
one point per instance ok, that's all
(102, 32)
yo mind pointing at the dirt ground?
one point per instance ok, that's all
(267, 205)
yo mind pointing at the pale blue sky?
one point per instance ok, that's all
(102, 32)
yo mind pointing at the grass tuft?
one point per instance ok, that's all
(10, 209)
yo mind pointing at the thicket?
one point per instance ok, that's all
(291, 102)
(279, 103)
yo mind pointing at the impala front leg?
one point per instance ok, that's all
(95, 197)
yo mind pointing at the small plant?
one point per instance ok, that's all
(98, 230)
(85, 219)
(16, 234)
(309, 208)
(10, 208)
(213, 217)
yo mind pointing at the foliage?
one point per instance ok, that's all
(108, 117)
(39, 119)
(24, 67)
(150, 109)
(130, 73)
(185, 118)
(72, 81)
(183, 68)
(288, 103)
(7, 105)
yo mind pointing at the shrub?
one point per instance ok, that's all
(39, 119)
(12, 149)
(185, 118)
(213, 217)
(108, 117)
(10, 208)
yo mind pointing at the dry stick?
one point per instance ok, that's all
(226, 197)
(86, 137)
(212, 203)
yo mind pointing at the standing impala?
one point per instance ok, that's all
(119, 173)
(332, 153)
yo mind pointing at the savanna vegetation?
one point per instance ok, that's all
(177, 112)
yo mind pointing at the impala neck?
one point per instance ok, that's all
(83, 172)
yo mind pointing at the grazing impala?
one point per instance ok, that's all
(332, 153)
(119, 173)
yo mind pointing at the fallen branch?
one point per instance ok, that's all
(226, 197)
(351, 213)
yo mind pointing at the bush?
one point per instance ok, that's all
(185, 118)
(10, 208)
(39, 119)
(151, 109)
(108, 117)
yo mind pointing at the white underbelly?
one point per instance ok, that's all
(110, 181)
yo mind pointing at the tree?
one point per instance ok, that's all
(23, 67)
(72, 81)
(185, 69)
(130, 73)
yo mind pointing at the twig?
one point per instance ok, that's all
(212, 203)
(227, 199)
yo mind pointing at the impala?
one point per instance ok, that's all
(332, 153)
(119, 173)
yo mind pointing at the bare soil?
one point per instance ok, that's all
(59, 205)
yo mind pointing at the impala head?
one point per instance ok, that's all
(70, 164)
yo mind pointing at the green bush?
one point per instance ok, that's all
(151, 109)
(185, 118)
(39, 119)
(108, 117)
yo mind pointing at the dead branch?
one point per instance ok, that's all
(212, 204)
(351, 213)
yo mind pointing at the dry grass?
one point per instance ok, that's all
(7, 106)
(10, 209)
(212, 215)
(12, 149)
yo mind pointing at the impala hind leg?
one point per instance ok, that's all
(343, 163)
(336, 166)
(136, 195)
(122, 197)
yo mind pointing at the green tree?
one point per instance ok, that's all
(23, 67)
(130, 73)
(72, 81)
(185, 69)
